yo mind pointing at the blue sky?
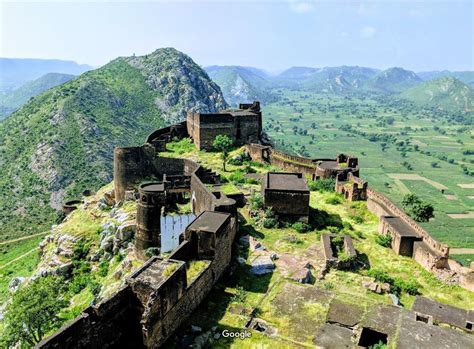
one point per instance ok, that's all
(273, 35)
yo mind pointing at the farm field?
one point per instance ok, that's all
(17, 258)
(401, 150)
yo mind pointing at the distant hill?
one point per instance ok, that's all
(9, 102)
(446, 93)
(328, 79)
(393, 80)
(241, 84)
(61, 142)
(18, 71)
(465, 76)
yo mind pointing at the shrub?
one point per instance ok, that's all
(251, 181)
(237, 177)
(95, 288)
(301, 227)
(357, 218)
(81, 250)
(326, 184)
(152, 251)
(379, 345)
(103, 268)
(249, 169)
(256, 201)
(239, 295)
(270, 223)
(79, 282)
(384, 240)
(235, 162)
(397, 285)
(333, 200)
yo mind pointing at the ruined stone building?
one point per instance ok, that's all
(351, 187)
(243, 125)
(287, 194)
(159, 296)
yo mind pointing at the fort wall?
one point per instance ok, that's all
(146, 311)
(394, 210)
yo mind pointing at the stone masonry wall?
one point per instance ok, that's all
(436, 246)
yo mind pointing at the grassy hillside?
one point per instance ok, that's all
(62, 141)
(11, 101)
(446, 93)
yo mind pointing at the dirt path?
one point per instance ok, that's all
(22, 238)
(19, 257)
(461, 250)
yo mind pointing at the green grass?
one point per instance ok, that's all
(464, 259)
(194, 268)
(24, 266)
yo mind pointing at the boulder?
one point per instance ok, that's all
(15, 283)
(107, 228)
(262, 265)
(126, 231)
(107, 243)
(304, 276)
(130, 195)
(109, 197)
(107, 256)
(63, 269)
(117, 274)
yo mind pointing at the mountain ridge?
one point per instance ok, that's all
(61, 142)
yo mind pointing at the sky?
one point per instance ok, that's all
(272, 35)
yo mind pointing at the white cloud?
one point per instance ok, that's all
(368, 31)
(301, 6)
(343, 34)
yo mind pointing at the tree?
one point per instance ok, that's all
(422, 211)
(33, 311)
(223, 144)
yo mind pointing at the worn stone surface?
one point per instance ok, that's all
(344, 313)
(333, 337)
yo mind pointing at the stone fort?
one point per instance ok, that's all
(157, 298)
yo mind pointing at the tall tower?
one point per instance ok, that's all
(150, 204)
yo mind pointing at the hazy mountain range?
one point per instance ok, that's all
(11, 101)
(244, 83)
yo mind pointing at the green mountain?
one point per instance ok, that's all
(446, 93)
(18, 71)
(393, 80)
(241, 84)
(328, 79)
(465, 76)
(12, 101)
(61, 142)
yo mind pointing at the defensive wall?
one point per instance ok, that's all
(426, 250)
(314, 168)
(157, 298)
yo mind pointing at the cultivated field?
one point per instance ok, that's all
(401, 150)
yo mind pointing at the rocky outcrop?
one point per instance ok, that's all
(183, 86)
